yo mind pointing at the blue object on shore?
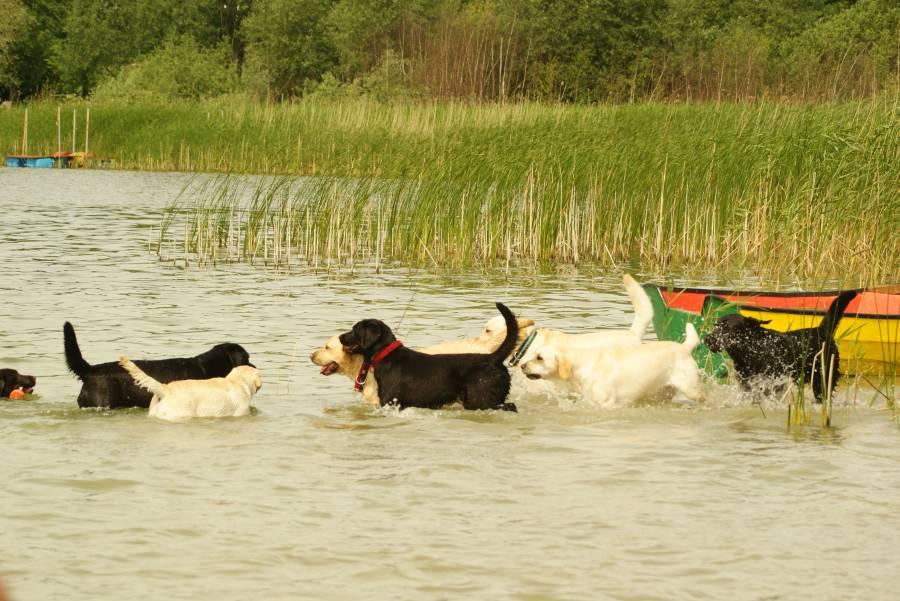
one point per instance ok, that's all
(40, 162)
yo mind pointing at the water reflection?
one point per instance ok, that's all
(319, 496)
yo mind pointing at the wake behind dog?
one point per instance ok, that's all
(216, 397)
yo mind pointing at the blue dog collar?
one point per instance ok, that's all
(523, 348)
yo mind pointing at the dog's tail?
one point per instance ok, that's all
(77, 364)
(643, 310)
(142, 379)
(512, 335)
(691, 339)
(835, 312)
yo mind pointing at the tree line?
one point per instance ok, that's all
(476, 50)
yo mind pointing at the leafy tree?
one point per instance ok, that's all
(361, 31)
(28, 69)
(287, 43)
(101, 36)
(858, 47)
(230, 16)
(580, 44)
(569, 50)
(12, 29)
(179, 69)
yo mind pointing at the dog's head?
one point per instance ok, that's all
(333, 359)
(367, 337)
(248, 376)
(731, 330)
(11, 380)
(228, 355)
(547, 363)
(495, 330)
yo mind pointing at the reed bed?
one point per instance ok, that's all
(799, 191)
(451, 224)
(752, 198)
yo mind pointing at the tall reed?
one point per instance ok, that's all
(801, 191)
(753, 200)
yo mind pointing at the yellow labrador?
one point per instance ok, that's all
(643, 315)
(619, 376)
(216, 397)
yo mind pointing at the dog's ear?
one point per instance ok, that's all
(757, 322)
(564, 366)
(238, 355)
(368, 332)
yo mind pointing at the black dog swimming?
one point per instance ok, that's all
(108, 385)
(11, 380)
(408, 378)
(758, 352)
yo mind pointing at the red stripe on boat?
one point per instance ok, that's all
(867, 303)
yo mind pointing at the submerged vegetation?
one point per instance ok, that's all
(800, 191)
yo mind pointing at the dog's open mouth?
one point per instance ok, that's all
(329, 368)
(532, 376)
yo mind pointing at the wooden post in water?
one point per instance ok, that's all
(87, 129)
(25, 134)
(59, 132)
(74, 115)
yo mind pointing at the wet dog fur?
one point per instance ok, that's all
(589, 340)
(213, 397)
(616, 376)
(760, 354)
(108, 385)
(409, 378)
(333, 359)
(11, 379)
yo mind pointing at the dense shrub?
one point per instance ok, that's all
(178, 69)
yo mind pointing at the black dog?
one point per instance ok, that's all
(760, 352)
(409, 378)
(108, 385)
(10, 380)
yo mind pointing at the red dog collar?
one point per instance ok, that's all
(364, 370)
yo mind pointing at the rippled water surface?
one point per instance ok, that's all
(319, 497)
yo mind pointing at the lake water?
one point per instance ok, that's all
(320, 497)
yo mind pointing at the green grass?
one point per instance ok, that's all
(795, 191)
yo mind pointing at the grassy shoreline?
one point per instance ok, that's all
(805, 190)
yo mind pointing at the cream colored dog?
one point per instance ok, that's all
(334, 360)
(619, 376)
(216, 397)
(600, 339)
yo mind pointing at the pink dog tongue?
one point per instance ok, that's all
(329, 369)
